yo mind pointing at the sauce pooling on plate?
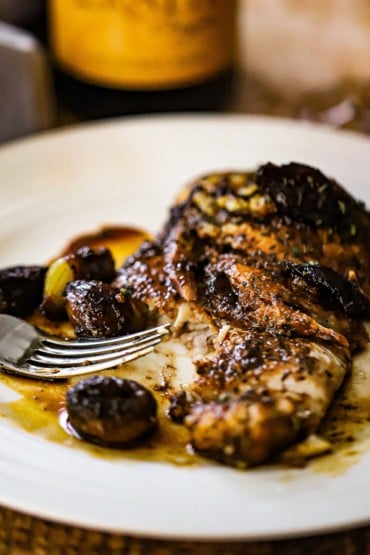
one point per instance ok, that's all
(41, 409)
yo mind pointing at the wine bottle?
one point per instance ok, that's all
(138, 56)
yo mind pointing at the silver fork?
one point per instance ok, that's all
(29, 352)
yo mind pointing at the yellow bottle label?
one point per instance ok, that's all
(143, 44)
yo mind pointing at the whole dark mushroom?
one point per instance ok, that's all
(111, 411)
(21, 289)
(97, 309)
(84, 264)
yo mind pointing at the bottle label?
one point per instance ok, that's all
(143, 44)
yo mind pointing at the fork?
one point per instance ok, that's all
(29, 352)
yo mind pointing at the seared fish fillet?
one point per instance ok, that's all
(276, 263)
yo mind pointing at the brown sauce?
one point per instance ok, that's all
(122, 241)
(41, 408)
(347, 425)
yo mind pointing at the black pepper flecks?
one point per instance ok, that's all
(305, 195)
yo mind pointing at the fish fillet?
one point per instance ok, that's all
(275, 265)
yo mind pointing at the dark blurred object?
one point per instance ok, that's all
(347, 106)
(142, 57)
(27, 103)
(21, 12)
(88, 101)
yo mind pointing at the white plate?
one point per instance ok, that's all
(128, 171)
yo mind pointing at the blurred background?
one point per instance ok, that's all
(301, 59)
(306, 44)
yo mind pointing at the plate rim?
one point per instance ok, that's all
(142, 119)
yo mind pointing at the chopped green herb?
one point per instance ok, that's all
(342, 206)
(125, 291)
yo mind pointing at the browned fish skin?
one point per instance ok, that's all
(278, 263)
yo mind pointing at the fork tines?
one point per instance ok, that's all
(65, 358)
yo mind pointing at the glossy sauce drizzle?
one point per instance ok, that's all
(41, 408)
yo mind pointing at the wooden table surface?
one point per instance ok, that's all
(22, 534)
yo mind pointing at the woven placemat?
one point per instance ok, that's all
(23, 535)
